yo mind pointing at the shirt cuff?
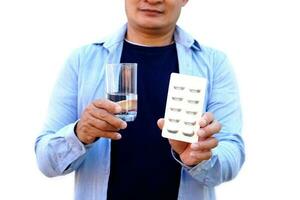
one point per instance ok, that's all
(74, 148)
(201, 168)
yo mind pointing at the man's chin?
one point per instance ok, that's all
(152, 26)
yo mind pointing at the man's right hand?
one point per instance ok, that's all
(98, 120)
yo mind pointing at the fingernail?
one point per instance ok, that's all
(194, 145)
(201, 133)
(203, 122)
(118, 109)
(119, 136)
(123, 125)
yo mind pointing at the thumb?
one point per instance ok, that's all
(160, 123)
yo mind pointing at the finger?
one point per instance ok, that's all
(91, 133)
(206, 119)
(101, 125)
(160, 123)
(209, 130)
(102, 114)
(94, 132)
(205, 145)
(110, 106)
(200, 156)
(109, 134)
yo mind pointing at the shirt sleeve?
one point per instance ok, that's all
(223, 101)
(58, 150)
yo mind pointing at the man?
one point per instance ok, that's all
(113, 159)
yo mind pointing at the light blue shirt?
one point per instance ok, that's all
(82, 80)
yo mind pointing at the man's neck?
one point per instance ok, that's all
(150, 37)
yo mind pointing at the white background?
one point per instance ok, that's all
(261, 38)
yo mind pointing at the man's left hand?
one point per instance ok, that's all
(193, 154)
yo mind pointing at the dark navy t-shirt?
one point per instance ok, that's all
(142, 166)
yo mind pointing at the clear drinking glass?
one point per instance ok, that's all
(121, 87)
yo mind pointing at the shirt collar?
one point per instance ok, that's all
(183, 38)
(180, 37)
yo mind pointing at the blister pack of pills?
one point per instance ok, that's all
(184, 107)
